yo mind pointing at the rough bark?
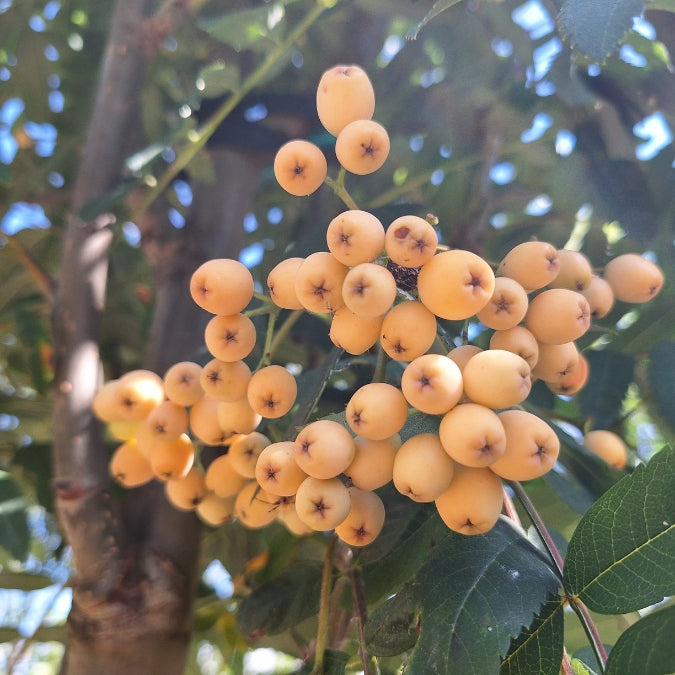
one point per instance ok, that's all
(130, 608)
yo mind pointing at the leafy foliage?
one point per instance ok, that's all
(619, 559)
(491, 585)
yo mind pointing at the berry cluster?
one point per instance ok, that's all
(345, 102)
(385, 288)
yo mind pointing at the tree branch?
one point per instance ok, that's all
(42, 278)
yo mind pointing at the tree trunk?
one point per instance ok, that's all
(131, 605)
(135, 556)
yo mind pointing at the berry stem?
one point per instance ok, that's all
(284, 329)
(356, 580)
(324, 609)
(590, 629)
(539, 525)
(380, 372)
(266, 357)
(510, 508)
(577, 605)
(339, 189)
(266, 308)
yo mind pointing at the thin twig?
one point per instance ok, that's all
(577, 605)
(324, 609)
(209, 127)
(356, 581)
(539, 525)
(283, 331)
(266, 357)
(380, 372)
(566, 666)
(510, 508)
(338, 187)
(590, 629)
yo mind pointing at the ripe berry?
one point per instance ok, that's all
(222, 286)
(633, 278)
(362, 147)
(322, 503)
(471, 504)
(344, 94)
(532, 446)
(377, 411)
(300, 167)
(410, 241)
(455, 284)
(533, 264)
(272, 391)
(364, 520)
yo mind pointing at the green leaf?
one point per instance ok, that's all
(218, 78)
(393, 627)
(620, 557)
(420, 423)
(410, 532)
(539, 648)
(313, 384)
(580, 668)
(469, 599)
(14, 532)
(246, 28)
(438, 7)
(282, 602)
(661, 373)
(646, 647)
(584, 477)
(602, 397)
(109, 201)
(596, 28)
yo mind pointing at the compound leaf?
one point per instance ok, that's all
(596, 28)
(471, 597)
(620, 557)
(646, 647)
(539, 648)
(283, 602)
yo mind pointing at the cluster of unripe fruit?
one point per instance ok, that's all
(386, 287)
